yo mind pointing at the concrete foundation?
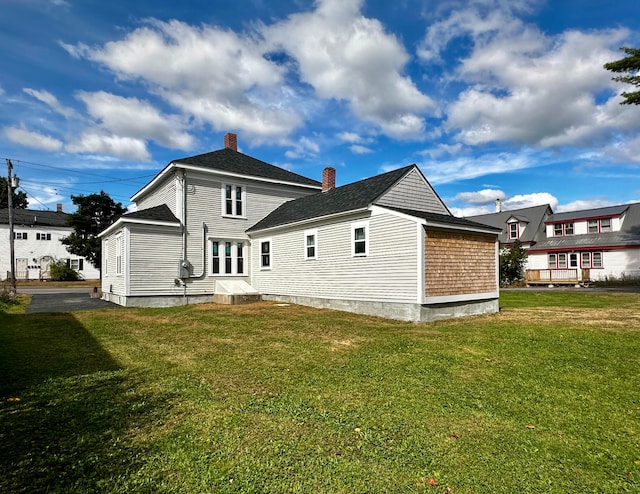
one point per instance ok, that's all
(233, 299)
(157, 301)
(395, 310)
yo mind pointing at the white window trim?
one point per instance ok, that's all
(354, 227)
(517, 232)
(223, 202)
(308, 233)
(270, 266)
(234, 256)
(119, 241)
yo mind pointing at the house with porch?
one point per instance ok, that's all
(37, 236)
(226, 227)
(576, 247)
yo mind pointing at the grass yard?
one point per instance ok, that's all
(543, 397)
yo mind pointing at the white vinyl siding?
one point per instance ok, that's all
(154, 254)
(164, 193)
(413, 192)
(388, 273)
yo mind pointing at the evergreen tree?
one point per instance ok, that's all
(631, 66)
(512, 261)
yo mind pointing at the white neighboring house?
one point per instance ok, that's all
(37, 236)
(226, 227)
(587, 245)
(573, 247)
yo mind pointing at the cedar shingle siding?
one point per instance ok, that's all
(458, 263)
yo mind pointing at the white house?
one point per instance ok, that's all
(37, 236)
(573, 247)
(226, 227)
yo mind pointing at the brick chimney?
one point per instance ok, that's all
(231, 141)
(59, 208)
(328, 179)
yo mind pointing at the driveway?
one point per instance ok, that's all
(62, 299)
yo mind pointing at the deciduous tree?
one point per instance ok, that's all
(95, 213)
(19, 198)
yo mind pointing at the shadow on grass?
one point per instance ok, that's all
(71, 419)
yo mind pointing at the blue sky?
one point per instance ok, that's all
(491, 98)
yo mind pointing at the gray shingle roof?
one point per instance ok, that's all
(350, 197)
(34, 217)
(629, 234)
(157, 213)
(445, 218)
(533, 216)
(588, 213)
(230, 161)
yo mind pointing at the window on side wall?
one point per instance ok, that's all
(553, 261)
(562, 261)
(585, 260)
(265, 254)
(233, 200)
(360, 239)
(119, 255)
(310, 244)
(605, 225)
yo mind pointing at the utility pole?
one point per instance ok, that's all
(12, 252)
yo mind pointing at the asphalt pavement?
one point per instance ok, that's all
(62, 299)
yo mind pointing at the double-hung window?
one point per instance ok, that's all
(43, 236)
(605, 225)
(265, 254)
(513, 231)
(227, 257)
(120, 255)
(233, 200)
(360, 239)
(310, 244)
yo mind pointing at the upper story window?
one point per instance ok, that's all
(514, 231)
(599, 226)
(560, 229)
(233, 200)
(43, 236)
(360, 239)
(20, 235)
(310, 244)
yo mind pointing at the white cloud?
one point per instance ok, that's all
(39, 194)
(122, 147)
(582, 204)
(50, 100)
(358, 149)
(214, 75)
(32, 139)
(354, 138)
(137, 119)
(528, 200)
(528, 87)
(304, 147)
(442, 150)
(484, 196)
(351, 58)
(466, 167)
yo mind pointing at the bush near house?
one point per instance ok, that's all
(60, 271)
(542, 397)
(512, 262)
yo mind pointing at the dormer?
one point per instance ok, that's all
(516, 227)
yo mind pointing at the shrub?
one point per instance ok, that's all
(512, 261)
(61, 272)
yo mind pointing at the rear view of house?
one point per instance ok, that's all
(226, 227)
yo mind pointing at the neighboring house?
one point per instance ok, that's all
(522, 225)
(587, 245)
(226, 227)
(578, 246)
(37, 236)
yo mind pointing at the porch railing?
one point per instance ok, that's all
(557, 275)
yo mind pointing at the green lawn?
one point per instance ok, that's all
(543, 397)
